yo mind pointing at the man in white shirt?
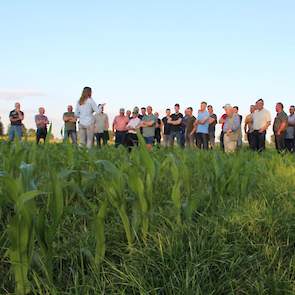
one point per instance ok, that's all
(101, 126)
(290, 133)
(132, 129)
(261, 122)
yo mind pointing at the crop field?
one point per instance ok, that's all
(103, 221)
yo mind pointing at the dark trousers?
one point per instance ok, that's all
(41, 133)
(280, 142)
(131, 141)
(290, 144)
(222, 140)
(100, 137)
(120, 138)
(202, 141)
(250, 139)
(157, 136)
(258, 141)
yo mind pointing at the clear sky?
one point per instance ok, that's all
(155, 52)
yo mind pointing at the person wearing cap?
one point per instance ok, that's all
(175, 121)
(248, 127)
(132, 129)
(148, 124)
(231, 129)
(101, 126)
(290, 133)
(119, 127)
(280, 126)
(261, 122)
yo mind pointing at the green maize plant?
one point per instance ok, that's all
(20, 229)
(114, 187)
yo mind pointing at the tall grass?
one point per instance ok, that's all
(78, 221)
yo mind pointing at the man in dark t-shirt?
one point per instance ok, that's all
(167, 128)
(212, 124)
(175, 121)
(16, 117)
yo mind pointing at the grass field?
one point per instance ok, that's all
(74, 221)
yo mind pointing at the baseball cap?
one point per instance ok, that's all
(122, 110)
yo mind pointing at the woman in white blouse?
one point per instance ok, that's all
(84, 111)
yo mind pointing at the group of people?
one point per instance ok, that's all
(187, 129)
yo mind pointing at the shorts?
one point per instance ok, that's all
(149, 139)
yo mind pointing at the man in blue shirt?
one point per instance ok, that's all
(202, 127)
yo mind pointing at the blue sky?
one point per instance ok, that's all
(145, 52)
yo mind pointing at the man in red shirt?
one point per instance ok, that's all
(120, 128)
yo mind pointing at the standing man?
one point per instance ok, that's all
(140, 116)
(248, 127)
(175, 121)
(212, 124)
(167, 129)
(222, 121)
(101, 126)
(280, 126)
(261, 122)
(240, 139)
(202, 127)
(41, 123)
(231, 129)
(190, 120)
(119, 127)
(148, 125)
(158, 129)
(70, 125)
(16, 117)
(290, 133)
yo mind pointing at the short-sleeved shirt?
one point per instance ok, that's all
(133, 123)
(100, 122)
(290, 133)
(149, 131)
(41, 117)
(279, 119)
(120, 123)
(167, 127)
(203, 128)
(15, 115)
(70, 126)
(189, 123)
(260, 118)
(213, 124)
(175, 117)
(249, 122)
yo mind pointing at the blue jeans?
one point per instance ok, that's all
(72, 134)
(120, 138)
(173, 135)
(15, 130)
